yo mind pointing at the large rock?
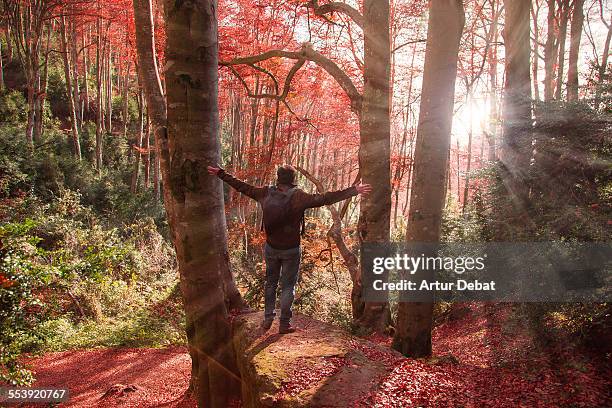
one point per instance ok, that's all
(318, 366)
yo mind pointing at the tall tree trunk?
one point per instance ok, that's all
(86, 74)
(401, 162)
(125, 101)
(75, 74)
(156, 175)
(99, 119)
(535, 11)
(446, 20)
(31, 115)
(9, 43)
(76, 145)
(109, 87)
(466, 187)
(193, 122)
(491, 134)
(1, 69)
(516, 147)
(43, 81)
(564, 11)
(574, 52)
(374, 147)
(138, 145)
(550, 52)
(187, 139)
(146, 159)
(603, 66)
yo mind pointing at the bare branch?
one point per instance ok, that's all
(307, 53)
(408, 43)
(337, 7)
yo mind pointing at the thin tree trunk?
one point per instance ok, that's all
(603, 67)
(99, 95)
(43, 80)
(491, 135)
(550, 55)
(31, 115)
(535, 11)
(156, 174)
(75, 75)
(109, 87)
(9, 43)
(76, 145)
(146, 159)
(125, 102)
(86, 72)
(574, 52)
(446, 21)
(138, 145)
(564, 10)
(466, 187)
(458, 172)
(1, 69)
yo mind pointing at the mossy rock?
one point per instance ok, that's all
(320, 365)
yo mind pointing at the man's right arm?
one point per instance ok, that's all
(256, 193)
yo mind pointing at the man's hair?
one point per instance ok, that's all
(285, 175)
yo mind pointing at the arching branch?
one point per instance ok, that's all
(337, 7)
(335, 232)
(286, 87)
(307, 53)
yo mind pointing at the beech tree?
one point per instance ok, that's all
(445, 25)
(187, 124)
(516, 145)
(70, 95)
(575, 36)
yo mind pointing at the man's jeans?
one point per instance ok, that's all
(283, 265)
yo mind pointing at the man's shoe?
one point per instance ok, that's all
(286, 329)
(266, 324)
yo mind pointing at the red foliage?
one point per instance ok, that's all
(304, 375)
(498, 368)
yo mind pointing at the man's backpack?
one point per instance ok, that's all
(276, 208)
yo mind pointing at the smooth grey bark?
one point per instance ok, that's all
(186, 134)
(574, 52)
(76, 144)
(197, 198)
(446, 20)
(375, 146)
(516, 116)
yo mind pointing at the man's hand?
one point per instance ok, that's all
(213, 170)
(363, 189)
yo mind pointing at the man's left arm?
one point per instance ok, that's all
(331, 197)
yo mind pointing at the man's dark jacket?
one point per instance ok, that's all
(288, 236)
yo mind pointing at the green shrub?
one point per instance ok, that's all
(13, 107)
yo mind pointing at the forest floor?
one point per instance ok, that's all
(498, 360)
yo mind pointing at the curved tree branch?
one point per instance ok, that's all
(307, 53)
(335, 231)
(337, 7)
